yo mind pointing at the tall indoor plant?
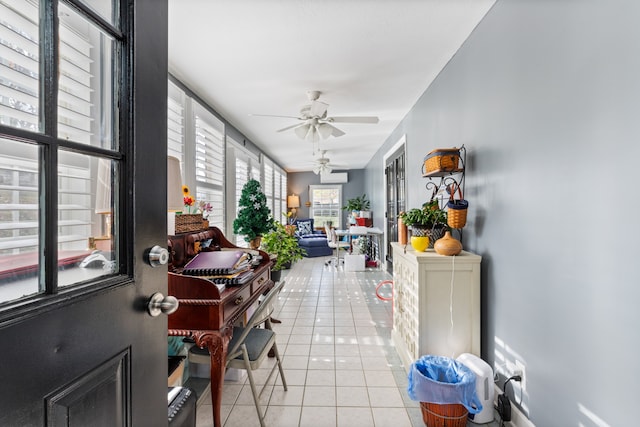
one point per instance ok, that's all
(284, 246)
(254, 217)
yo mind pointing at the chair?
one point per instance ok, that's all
(314, 242)
(250, 345)
(334, 243)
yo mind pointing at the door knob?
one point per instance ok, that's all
(158, 303)
(157, 256)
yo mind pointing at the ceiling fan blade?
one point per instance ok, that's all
(274, 115)
(336, 132)
(290, 127)
(318, 109)
(316, 170)
(302, 131)
(354, 119)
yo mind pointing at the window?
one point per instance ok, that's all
(49, 101)
(196, 138)
(280, 196)
(246, 165)
(209, 164)
(268, 185)
(175, 122)
(326, 204)
(275, 188)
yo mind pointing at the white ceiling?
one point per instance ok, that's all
(367, 57)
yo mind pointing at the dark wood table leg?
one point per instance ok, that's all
(217, 344)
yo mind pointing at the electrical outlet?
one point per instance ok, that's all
(516, 368)
(523, 382)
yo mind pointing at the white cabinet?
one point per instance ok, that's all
(436, 305)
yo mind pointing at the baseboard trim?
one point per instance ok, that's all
(518, 418)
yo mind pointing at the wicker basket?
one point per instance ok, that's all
(449, 415)
(188, 222)
(457, 210)
(442, 160)
(434, 233)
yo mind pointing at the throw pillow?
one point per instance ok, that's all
(304, 228)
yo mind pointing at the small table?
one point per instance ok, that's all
(373, 232)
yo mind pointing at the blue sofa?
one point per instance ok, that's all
(314, 242)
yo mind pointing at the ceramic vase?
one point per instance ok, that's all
(420, 243)
(402, 232)
(447, 245)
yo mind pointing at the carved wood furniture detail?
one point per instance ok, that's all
(206, 314)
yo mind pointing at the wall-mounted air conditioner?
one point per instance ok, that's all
(334, 178)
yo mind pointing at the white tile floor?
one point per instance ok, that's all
(340, 365)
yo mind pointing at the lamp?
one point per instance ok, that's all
(293, 203)
(104, 206)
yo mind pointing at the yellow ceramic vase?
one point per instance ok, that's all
(420, 243)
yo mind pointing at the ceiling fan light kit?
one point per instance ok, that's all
(316, 122)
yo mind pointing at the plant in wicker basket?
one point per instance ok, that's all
(254, 217)
(429, 221)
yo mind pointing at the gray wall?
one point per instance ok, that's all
(545, 95)
(299, 182)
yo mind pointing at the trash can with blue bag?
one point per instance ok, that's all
(446, 390)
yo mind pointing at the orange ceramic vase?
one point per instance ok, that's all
(402, 232)
(447, 245)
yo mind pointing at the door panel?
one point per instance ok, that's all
(395, 198)
(98, 398)
(85, 352)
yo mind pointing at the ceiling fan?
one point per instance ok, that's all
(323, 165)
(316, 124)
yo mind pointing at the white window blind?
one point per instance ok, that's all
(242, 176)
(255, 170)
(267, 185)
(278, 193)
(85, 114)
(283, 190)
(209, 148)
(19, 64)
(210, 164)
(82, 69)
(75, 87)
(175, 122)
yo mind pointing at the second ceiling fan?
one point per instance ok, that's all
(316, 123)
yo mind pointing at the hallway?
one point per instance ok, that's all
(340, 365)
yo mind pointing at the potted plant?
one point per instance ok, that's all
(429, 221)
(357, 204)
(282, 246)
(254, 217)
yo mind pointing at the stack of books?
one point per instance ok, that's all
(221, 267)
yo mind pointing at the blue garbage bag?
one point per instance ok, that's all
(442, 380)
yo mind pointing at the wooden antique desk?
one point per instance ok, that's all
(206, 314)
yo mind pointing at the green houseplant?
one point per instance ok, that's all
(429, 221)
(254, 217)
(360, 203)
(283, 245)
